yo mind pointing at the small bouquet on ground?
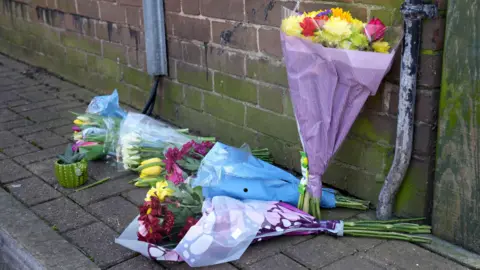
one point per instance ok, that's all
(347, 60)
(223, 228)
(142, 138)
(95, 135)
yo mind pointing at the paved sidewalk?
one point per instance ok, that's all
(35, 126)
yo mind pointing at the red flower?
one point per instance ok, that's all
(309, 27)
(203, 148)
(375, 29)
(320, 20)
(190, 222)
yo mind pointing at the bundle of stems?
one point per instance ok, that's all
(263, 154)
(400, 229)
(349, 202)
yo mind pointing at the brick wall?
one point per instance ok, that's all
(227, 77)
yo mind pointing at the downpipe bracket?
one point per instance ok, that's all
(418, 11)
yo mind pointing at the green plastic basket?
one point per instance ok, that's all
(71, 175)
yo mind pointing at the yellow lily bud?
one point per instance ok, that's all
(148, 161)
(151, 171)
(78, 122)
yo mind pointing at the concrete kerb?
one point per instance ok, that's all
(26, 242)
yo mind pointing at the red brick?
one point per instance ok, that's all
(67, 6)
(230, 10)
(133, 16)
(192, 53)
(174, 48)
(266, 12)
(136, 58)
(80, 24)
(40, 3)
(433, 34)
(112, 12)
(88, 8)
(191, 7)
(136, 3)
(269, 42)
(235, 35)
(188, 28)
(173, 5)
(225, 61)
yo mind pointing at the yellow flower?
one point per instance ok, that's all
(78, 122)
(148, 161)
(304, 161)
(291, 26)
(358, 25)
(338, 28)
(160, 191)
(344, 15)
(381, 46)
(151, 171)
(312, 13)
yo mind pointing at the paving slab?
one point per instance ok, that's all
(63, 214)
(6, 115)
(269, 248)
(136, 196)
(319, 251)
(100, 169)
(21, 149)
(11, 171)
(278, 262)
(32, 191)
(404, 255)
(2, 156)
(64, 131)
(40, 155)
(361, 243)
(103, 191)
(97, 240)
(45, 139)
(38, 242)
(15, 124)
(353, 262)
(32, 105)
(339, 213)
(40, 115)
(8, 139)
(44, 169)
(32, 127)
(138, 262)
(116, 212)
(180, 266)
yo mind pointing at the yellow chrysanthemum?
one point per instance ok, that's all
(160, 191)
(381, 46)
(338, 28)
(357, 25)
(291, 26)
(340, 13)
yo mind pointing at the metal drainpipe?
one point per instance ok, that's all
(413, 12)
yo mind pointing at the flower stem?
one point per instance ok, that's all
(93, 184)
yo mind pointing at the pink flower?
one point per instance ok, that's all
(75, 128)
(375, 29)
(176, 176)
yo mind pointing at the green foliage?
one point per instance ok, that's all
(70, 157)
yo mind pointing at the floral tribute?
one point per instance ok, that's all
(336, 28)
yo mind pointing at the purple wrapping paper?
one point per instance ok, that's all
(328, 88)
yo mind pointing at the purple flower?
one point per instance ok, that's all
(75, 128)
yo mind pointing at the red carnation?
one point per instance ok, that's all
(190, 222)
(309, 27)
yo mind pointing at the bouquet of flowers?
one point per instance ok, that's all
(346, 62)
(95, 135)
(142, 138)
(96, 132)
(171, 229)
(336, 28)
